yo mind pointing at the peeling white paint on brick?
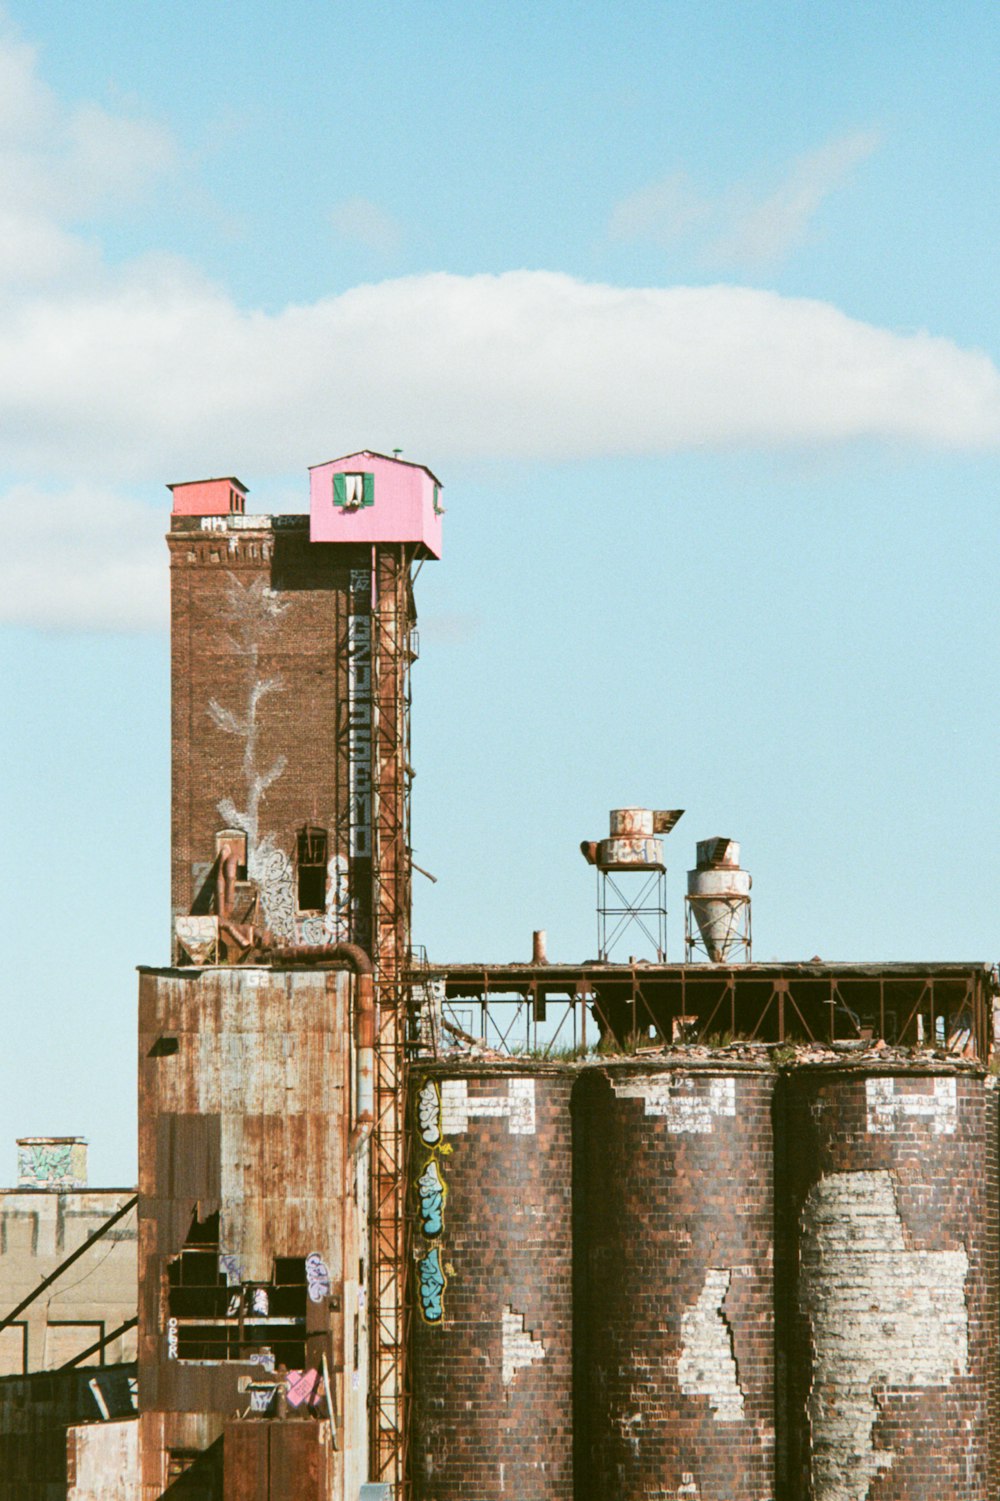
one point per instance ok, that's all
(707, 1366)
(880, 1314)
(520, 1347)
(886, 1106)
(687, 1104)
(457, 1106)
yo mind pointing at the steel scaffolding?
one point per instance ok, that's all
(393, 620)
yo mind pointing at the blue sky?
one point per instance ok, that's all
(693, 307)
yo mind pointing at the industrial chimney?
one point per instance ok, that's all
(718, 904)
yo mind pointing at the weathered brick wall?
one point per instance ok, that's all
(492, 1345)
(259, 626)
(889, 1189)
(674, 1311)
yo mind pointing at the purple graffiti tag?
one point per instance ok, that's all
(317, 1277)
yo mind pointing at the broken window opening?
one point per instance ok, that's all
(311, 862)
(214, 1319)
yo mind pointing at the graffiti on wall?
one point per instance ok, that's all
(317, 1277)
(360, 795)
(333, 925)
(253, 612)
(431, 1191)
(429, 1114)
(47, 1165)
(431, 1283)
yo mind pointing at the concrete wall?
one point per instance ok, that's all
(38, 1230)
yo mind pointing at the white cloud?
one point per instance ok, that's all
(662, 212)
(58, 166)
(160, 375)
(125, 378)
(739, 226)
(81, 559)
(362, 220)
(764, 232)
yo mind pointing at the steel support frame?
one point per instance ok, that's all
(740, 945)
(715, 993)
(617, 914)
(392, 624)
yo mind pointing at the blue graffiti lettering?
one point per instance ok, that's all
(431, 1189)
(431, 1282)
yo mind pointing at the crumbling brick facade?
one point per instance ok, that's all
(890, 1221)
(674, 1307)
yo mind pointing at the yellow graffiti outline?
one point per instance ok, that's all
(431, 1153)
(432, 1157)
(435, 1246)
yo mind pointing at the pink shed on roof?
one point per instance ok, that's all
(369, 497)
(209, 497)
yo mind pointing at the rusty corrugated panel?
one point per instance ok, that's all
(300, 1461)
(246, 1464)
(245, 1099)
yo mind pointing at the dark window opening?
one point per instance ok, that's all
(179, 1461)
(312, 869)
(215, 1319)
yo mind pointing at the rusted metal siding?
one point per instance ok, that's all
(288, 1461)
(245, 1110)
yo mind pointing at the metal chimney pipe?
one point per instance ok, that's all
(538, 947)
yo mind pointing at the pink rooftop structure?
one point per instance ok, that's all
(369, 497)
(209, 497)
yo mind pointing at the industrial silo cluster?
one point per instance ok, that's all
(707, 1277)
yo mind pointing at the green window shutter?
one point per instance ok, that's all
(339, 490)
(369, 499)
(437, 500)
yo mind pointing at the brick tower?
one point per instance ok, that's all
(271, 1151)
